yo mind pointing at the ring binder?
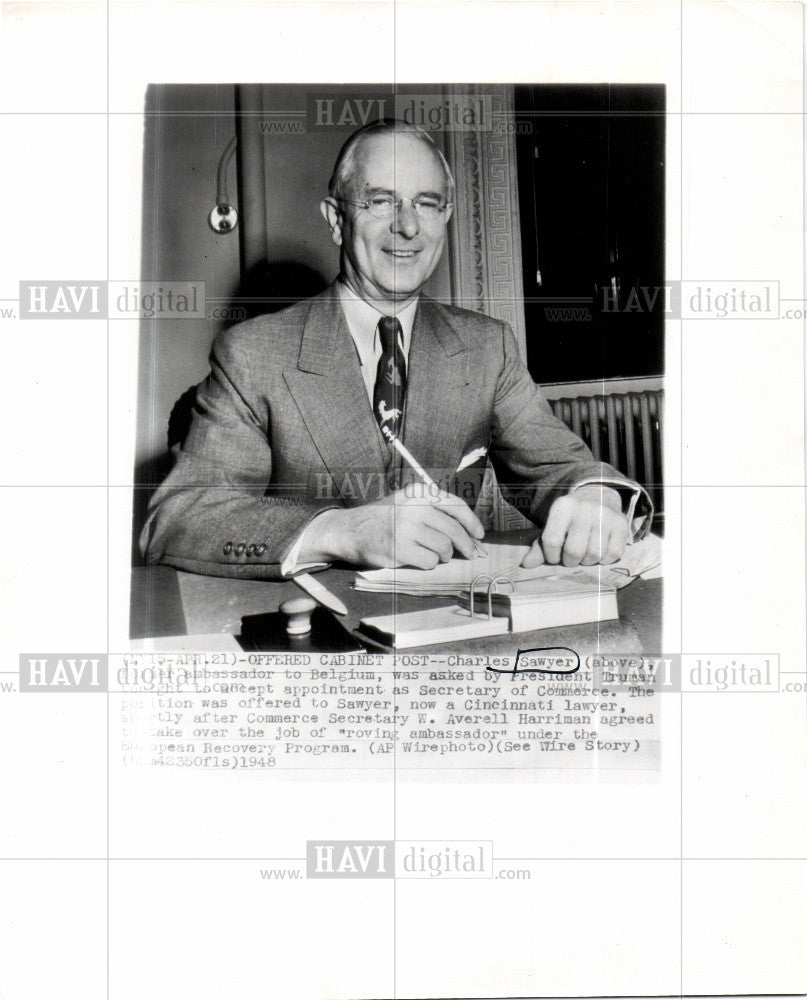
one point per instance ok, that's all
(494, 580)
(548, 602)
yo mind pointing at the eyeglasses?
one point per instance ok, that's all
(384, 206)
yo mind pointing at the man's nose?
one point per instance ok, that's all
(405, 220)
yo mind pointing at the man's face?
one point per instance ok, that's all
(388, 261)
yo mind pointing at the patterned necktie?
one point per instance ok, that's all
(390, 380)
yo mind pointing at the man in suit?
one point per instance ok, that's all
(288, 463)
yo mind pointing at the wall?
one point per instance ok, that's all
(186, 130)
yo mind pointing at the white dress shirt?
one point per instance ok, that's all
(362, 322)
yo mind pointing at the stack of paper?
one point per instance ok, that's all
(452, 577)
(640, 559)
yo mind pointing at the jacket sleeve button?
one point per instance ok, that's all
(228, 548)
(239, 549)
(259, 550)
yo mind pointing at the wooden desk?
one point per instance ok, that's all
(166, 602)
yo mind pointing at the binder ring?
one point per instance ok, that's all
(492, 589)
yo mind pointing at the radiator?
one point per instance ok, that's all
(625, 429)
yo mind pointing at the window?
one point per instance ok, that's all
(590, 163)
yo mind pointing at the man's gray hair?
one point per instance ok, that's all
(345, 165)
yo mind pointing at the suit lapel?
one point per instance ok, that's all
(442, 378)
(329, 392)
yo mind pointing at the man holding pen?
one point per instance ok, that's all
(324, 431)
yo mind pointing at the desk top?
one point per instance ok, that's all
(168, 602)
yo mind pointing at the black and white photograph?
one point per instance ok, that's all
(437, 322)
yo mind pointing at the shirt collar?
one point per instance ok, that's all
(362, 318)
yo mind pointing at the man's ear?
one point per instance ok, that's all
(333, 216)
(448, 212)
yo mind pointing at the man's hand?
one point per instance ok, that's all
(584, 528)
(416, 526)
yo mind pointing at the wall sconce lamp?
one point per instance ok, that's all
(223, 216)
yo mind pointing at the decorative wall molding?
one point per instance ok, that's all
(485, 237)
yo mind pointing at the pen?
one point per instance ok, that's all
(319, 592)
(425, 478)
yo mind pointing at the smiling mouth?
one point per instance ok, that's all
(402, 254)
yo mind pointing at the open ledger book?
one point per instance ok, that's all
(455, 577)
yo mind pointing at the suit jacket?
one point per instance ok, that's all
(283, 429)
